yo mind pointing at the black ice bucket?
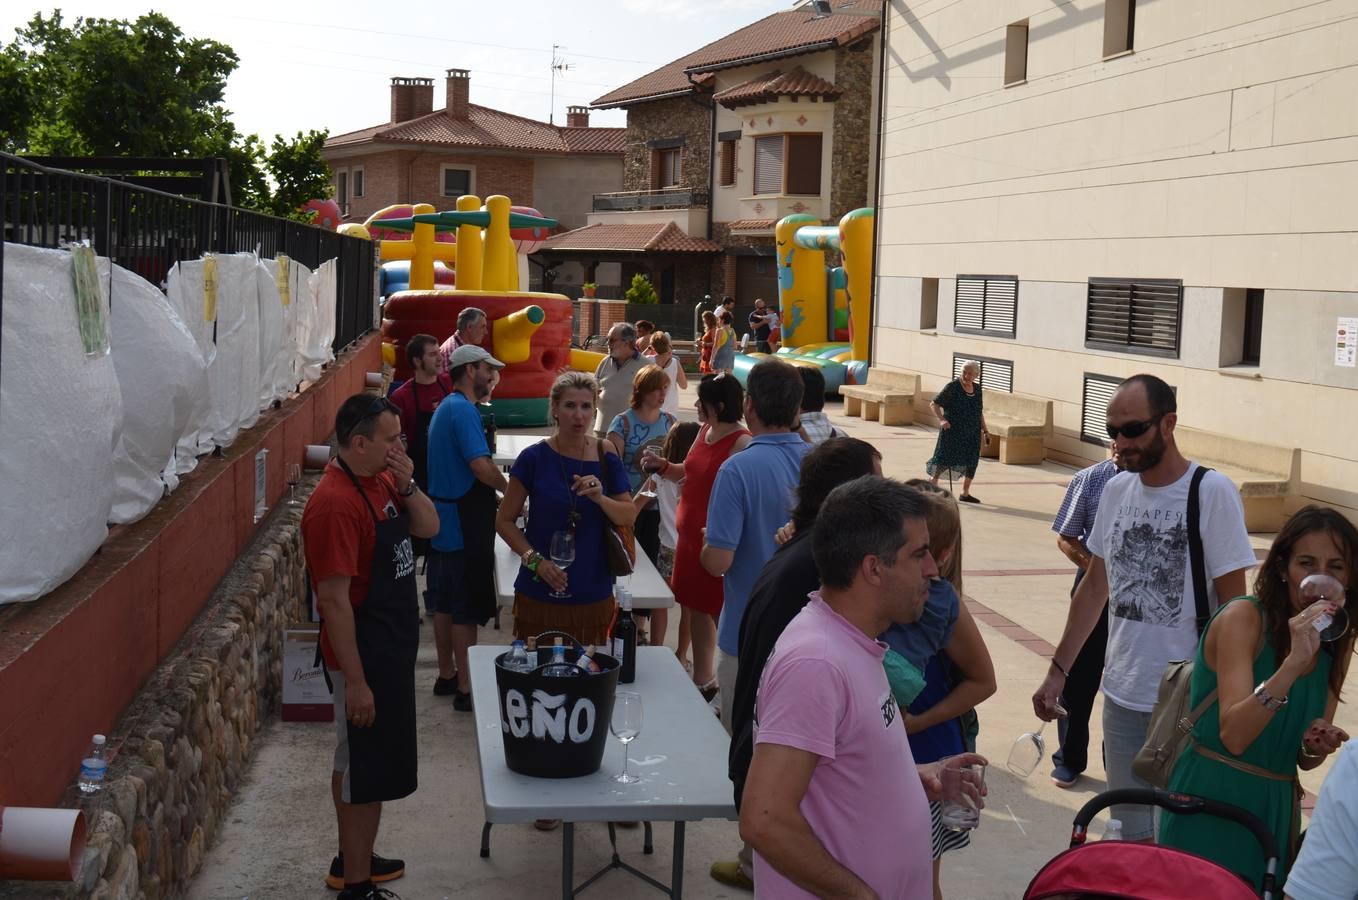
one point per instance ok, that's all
(555, 727)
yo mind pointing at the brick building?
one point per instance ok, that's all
(427, 155)
(775, 118)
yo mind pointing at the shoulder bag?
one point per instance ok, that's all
(619, 541)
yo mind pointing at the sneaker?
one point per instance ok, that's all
(444, 687)
(462, 702)
(367, 891)
(1063, 777)
(967, 498)
(729, 872)
(380, 869)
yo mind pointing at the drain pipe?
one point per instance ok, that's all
(41, 844)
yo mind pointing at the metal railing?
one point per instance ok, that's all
(663, 198)
(148, 231)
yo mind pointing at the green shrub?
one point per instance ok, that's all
(642, 291)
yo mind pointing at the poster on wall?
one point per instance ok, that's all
(1346, 342)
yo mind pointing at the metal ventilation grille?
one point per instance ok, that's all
(996, 374)
(1141, 315)
(1098, 390)
(986, 304)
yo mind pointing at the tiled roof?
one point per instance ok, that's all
(489, 128)
(751, 225)
(664, 237)
(789, 33)
(795, 83)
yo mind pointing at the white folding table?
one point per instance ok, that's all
(649, 590)
(680, 756)
(508, 446)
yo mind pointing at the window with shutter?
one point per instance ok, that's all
(803, 163)
(996, 374)
(727, 161)
(986, 304)
(1098, 390)
(768, 164)
(456, 182)
(1134, 315)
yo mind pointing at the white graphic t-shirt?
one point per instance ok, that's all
(1141, 534)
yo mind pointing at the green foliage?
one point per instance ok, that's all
(112, 87)
(641, 291)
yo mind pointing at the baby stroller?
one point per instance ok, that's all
(1117, 869)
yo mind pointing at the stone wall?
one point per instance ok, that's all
(183, 744)
(854, 113)
(679, 117)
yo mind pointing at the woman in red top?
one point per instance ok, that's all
(706, 341)
(720, 403)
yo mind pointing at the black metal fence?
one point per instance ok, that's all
(147, 232)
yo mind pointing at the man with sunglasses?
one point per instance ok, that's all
(1140, 560)
(356, 531)
(615, 374)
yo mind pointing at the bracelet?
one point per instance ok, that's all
(1059, 667)
(1267, 700)
(665, 468)
(410, 489)
(1307, 754)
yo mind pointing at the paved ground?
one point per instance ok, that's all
(281, 834)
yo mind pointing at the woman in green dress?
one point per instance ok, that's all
(961, 425)
(1275, 707)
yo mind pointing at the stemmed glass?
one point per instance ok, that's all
(294, 478)
(626, 725)
(1028, 750)
(1326, 588)
(562, 552)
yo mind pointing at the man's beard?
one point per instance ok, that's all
(481, 390)
(1139, 460)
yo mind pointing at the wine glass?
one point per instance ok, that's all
(626, 725)
(1320, 587)
(294, 478)
(1028, 750)
(562, 552)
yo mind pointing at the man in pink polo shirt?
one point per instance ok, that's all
(834, 805)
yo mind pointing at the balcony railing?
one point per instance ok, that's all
(663, 198)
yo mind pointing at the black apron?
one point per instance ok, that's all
(419, 451)
(383, 757)
(476, 513)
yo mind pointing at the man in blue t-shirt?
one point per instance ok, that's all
(751, 499)
(463, 480)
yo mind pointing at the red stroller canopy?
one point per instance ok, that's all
(1135, 872)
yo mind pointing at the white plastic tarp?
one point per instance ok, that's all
(162, 377)
(61, 411)
(316, 331)
(233, 374)
(185, 294)
(280, 284)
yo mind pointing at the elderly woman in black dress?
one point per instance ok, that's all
(961, 423)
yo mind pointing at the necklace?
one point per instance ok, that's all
(572, 515)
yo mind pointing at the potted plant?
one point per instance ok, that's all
(588, 289)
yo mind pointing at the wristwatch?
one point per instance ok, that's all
(1267, 700)
(410, 489)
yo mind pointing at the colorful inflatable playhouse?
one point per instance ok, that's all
(436, 264)
(825, 310)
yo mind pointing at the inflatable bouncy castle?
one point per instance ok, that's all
(436, 264)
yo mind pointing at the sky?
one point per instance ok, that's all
(306, 65)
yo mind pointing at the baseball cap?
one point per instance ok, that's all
(471, 353)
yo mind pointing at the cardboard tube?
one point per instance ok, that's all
(41, 844)
(316, 457)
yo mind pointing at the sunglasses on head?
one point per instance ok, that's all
(378, 406)
(1133, 430)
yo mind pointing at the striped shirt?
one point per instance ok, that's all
(1075, 518)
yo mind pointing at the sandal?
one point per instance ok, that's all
(709, 690)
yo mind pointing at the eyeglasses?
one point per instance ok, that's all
(1133, 430)
(378, 406)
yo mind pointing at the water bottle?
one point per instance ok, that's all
(1113, 830)
(559, 667)
(517, 658)
(94, 765)
(625, 639)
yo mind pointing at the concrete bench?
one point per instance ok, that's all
(888, 397)
(1266, 475)
(1019, 425)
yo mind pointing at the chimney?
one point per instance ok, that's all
(459, 86)
(411, 98)
(577, 117)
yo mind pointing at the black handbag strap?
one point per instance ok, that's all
(1195, 554)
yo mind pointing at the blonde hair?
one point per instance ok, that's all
(650, 378)
(945, 530)
(571, 380)
(660, 342)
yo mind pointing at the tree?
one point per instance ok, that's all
(110, 87)
(641, 291)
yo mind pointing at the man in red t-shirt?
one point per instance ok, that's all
(356, 534)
